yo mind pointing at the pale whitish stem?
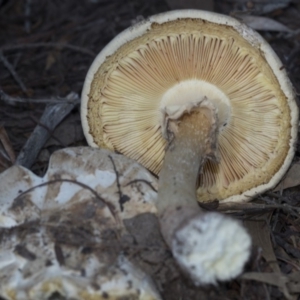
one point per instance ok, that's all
(194, 142)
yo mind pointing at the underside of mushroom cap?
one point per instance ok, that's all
(199, 53)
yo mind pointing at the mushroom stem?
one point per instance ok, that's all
(207, 245)
(184, 158)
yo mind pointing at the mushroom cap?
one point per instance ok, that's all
(60, 233)
(175, 56)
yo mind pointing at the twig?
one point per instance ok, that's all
(144, 181)
(37, 122)
(83, 186)
(14, 100)
(122, 197)
(287, 247)
(12, 71)
(27, 13)
(51, 117)
(229, 207)
(47, 45)
(293, 34)
(295, 265)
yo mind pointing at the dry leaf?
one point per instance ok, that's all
(287, 284)
(291, 179)
(294, 286)
(67, 133)
(263, 23)
(260, 234)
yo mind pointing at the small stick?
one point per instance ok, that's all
(12, 71)
(48, 45)
(52, 116)
(7, 99)
(257, 207)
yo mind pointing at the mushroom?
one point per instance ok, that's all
(204, 102)
(61, 234)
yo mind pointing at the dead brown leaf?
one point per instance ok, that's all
(263, 23)
(260, 234)
(291, 179)
(286, 283)
(67, 133)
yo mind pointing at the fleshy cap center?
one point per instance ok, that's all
(191, 91)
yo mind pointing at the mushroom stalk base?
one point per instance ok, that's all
(208, 246)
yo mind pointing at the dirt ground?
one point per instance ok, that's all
(46, 48)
